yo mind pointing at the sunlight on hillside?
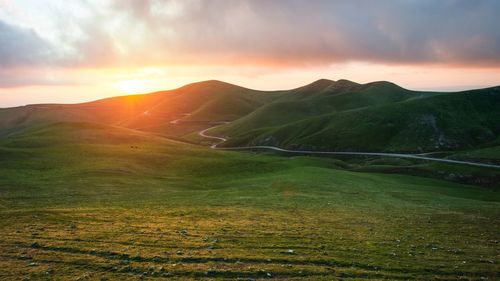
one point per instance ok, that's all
(249, 140)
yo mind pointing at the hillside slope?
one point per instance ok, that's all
(323, 97)
(385, 119)
(324, 115)
(203, 101)
(84, 199)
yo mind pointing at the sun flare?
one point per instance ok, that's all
(133, 86)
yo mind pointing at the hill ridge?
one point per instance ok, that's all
(326, 114)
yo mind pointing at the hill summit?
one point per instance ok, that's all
(323, 115)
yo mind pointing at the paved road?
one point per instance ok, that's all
(397, 155)
(221, 140)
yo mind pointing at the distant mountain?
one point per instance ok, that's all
(324, 115)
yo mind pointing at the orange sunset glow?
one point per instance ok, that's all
(106, 48)
(249, 140)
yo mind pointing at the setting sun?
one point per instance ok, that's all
(249, 139)
(134, 86)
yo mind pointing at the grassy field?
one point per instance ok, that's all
(81, 201)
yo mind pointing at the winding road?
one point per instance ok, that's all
(397, 155)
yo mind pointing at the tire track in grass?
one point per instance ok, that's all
(370, 269)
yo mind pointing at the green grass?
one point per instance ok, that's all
(380, 117)
(205, 101)
(491, 154)
(324, 115)
(89, 201)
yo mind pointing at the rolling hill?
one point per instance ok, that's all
(324, 115)
(204, 101)
(81, 200)
(377, 116)
(102, 191)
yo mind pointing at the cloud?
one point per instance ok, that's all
(36, 76)
(293, 33)
(325, 32)
(22, 47)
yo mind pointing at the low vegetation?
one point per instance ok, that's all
(83, 201)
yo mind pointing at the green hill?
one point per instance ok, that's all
(203, 101)
(377, 116)
(324, 115)
(95, 201)
(102, 191)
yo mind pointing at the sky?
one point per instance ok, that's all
(66, 51)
